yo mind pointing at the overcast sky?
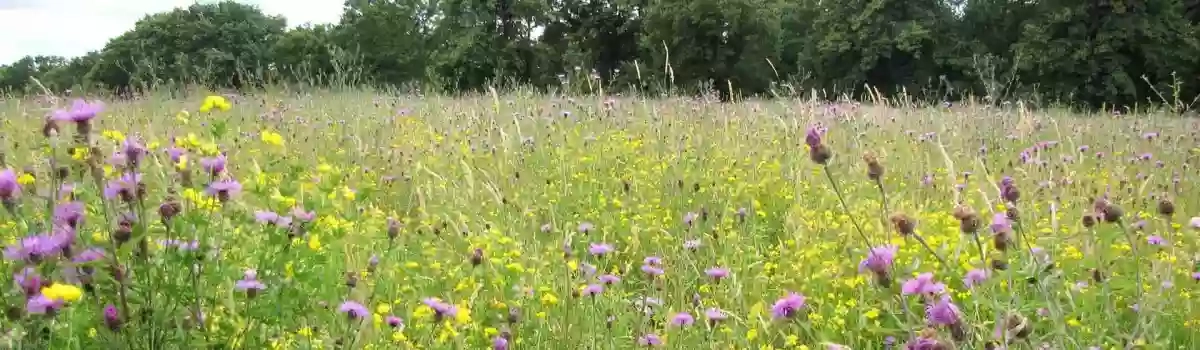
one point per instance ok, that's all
(73, 27)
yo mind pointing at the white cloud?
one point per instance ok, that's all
(73, 27)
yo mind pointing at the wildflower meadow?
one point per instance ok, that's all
(363, 220)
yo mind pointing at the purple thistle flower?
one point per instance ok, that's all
(40, 304)
(691, 244)
(788, 306)
(652, 260)
(715, 315)
(879, 261)
(586, 227)
(224, 189)
(1083, 148)
(353, 309)
(213, 165)
(250, 284)
(127, 187)
(1156, 240)
(609, 279)
(1000, 224)
(1150, 135)
(133, 150)
(175, 153)
(649, 340)
(924, 343)
(717, 273)
(394, 322)
(265, 217)
(652, 270)
(302, 215)
(81, 111)
(975, 277)
(33, 248)
(600, 249)
(682, 319)
(499, 343)
(9, 187)
(943, 313)
(1196, 276)
(593, 290)
(89, 255)
(440, 308)
(69, 214)
(112, 318)
(815, 136)
(923, 284)
(28, 280)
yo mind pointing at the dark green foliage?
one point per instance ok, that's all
(1085, 52)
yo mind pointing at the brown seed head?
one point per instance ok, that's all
(904, 224)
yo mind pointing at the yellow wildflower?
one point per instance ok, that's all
(272, 138)
(25, 179)
(314, 243)
(214, 101)
(64, 292)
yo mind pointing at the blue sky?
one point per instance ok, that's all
(73, 27)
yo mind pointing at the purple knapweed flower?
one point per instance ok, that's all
(1194, 223)
(40, 304)
(788, 306)
(600, 249)
(975, 277)
(717, 273)
(879, 260)
(1083, 148)
(440, 309)
(652, 270)
(815, 136)
(1156, 240)
(715, 315)
(499, 343)
(586, 227)
(89, 255)
(9, 187)
(923, 284)
(133, 150)
(652, 260)
(682, 319)
(394, 322)
(353, 309)
(1196, 276)
(112, 318)
(1150, 135)
(175, 153)
(1008, 189)
(1001, 224)
(592, 290)
(943, 313)
(649, 340)
(250, 284)
(28, 280)
(924, 343)
(81, 111)
(609, 279)
(302, 215)
(224, 189)
(69, 214)
(126, 187)
(691, 244)
(214, 165)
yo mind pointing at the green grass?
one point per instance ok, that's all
(460, 174)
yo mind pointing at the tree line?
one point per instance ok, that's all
(1082, 52)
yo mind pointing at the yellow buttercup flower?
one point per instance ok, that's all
(183, 117)
(25, 179)
(64, 292)
(272, 138)
(214, 101)
(314, 243)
